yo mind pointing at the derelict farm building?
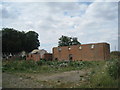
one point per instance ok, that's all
(39, 54)
(83, 52)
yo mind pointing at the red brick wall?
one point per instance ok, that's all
(47, 56)
(35, 57)
(101, 51)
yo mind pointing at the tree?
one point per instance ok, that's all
(14, 41)
(67, 41)
(64, 41)
(75, 41)
(11, 42)
(32, 41)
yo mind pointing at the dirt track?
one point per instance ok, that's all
(23, 80)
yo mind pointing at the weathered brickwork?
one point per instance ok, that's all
(37, 57)
(47, 56)
(84, 52)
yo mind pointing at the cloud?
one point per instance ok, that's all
(9, 11)
(90, 22)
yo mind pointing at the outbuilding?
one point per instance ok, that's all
(83, 52)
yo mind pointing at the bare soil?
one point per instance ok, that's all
(46, 80)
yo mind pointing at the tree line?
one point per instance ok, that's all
(14, 41)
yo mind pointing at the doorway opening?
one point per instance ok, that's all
(70, 57)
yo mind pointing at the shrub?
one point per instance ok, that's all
(114, 68)
(115, 54)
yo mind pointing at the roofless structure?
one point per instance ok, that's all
(83, 52)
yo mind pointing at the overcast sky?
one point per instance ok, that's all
(90, 22)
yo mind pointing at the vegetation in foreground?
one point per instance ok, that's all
(42, 66)
(100, 74)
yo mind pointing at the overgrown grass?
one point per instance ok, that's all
(44, 66)
(101, 78)
(105, 75)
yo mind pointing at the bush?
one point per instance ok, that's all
(114, 68)
(115, 55)
(114, 64)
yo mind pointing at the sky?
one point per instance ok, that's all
(90, 22)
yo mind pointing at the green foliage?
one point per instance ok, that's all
(114, 64)
(43, 65)
(114, 68)
(15, 41)
(75, 41)
(115, 54)
(99, 74)
(32, 41)
(21, 66)
(67, 41)
(101, 78)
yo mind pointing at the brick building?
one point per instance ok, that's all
(48, 56)
(84, 52)
(39, 54)
(35, 57)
